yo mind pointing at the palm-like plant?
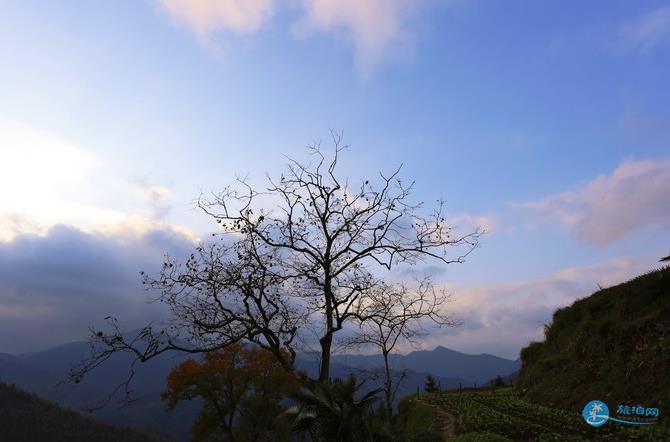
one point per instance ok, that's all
(333, 413)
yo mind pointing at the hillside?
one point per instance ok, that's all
(42, 373)
(613, 346)
(501, 415)
(25, 417)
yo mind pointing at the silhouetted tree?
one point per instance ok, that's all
(397, 313)
(498, 382)
(337, 411)
(293, 259)
(431, 384)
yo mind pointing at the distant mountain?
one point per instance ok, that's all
(41, 372)
(441, 362)
(370, 374)
(25, 417)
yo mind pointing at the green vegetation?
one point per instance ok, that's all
(418, 421)
(25, 417)
(613, 346)
(339, 411)
(492, 415)
(241, 389)
(501, 412)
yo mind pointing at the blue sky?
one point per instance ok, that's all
(546, 122)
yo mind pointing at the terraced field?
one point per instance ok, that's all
(499, 415)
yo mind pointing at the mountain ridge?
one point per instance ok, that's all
(43, 372)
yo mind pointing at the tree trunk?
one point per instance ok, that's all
(387, 387)
(327, 340)
(326, 343)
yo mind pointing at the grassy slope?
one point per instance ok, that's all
(489, 415)
(613, 346)
(25, 417)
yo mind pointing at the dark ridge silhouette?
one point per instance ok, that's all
(26, 417)
(613, 346)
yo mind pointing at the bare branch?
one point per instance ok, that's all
(293, 258)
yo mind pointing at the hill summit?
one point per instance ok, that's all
(613, 346)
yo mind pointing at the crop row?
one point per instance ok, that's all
(503, 412)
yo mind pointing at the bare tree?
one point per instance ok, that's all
(299, 253)
(396, 314)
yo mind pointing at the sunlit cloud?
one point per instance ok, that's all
(466, 222)
(631, 199)
(42, 176)
(36, 165)
(501, 318)
(377, 29)
(157, 197)
(87, 218)
(207, 18)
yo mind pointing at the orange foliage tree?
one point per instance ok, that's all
(241, 389)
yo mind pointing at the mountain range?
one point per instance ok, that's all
(43, 373)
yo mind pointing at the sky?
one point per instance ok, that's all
(546, 123)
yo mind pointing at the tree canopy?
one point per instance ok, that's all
(290, 264)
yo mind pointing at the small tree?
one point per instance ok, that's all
(241, 389)
(337, 411)
(431, 385)
(294, 257)
(396, 314)
(498, 382)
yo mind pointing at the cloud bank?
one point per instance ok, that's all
(503, 318)
(633, 198)
(55, 286)
(44, 180)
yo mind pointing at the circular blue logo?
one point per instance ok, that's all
(596, 413)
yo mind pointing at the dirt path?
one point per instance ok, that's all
(446, 420)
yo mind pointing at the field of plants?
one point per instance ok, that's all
(500, 414)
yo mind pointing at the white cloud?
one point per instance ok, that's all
(634, 197)
(648, 31)
(207, 17)
(465, 222)
(156, 196)
(36, 164)
(42, 178)
(376, 28)
(502, 318)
